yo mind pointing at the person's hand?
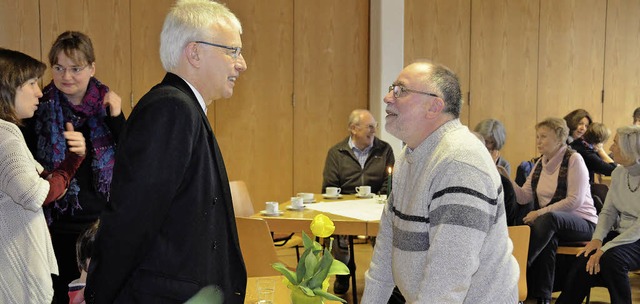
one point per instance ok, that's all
(75, 140)
(503, 171)
(531, 217)
(113, 101)
(593, 264)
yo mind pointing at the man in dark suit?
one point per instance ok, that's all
(169, 229)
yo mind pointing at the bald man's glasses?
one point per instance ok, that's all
(237, 51)
(401, 91)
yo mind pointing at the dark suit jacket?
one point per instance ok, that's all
(169, 229)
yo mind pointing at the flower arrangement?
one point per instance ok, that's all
(310, 282)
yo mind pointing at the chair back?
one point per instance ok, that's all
(242, 205)
(599, 194)
(520, 238)
(257, 247)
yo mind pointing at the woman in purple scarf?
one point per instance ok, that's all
(75, 96)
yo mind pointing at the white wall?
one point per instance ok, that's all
(386, 59)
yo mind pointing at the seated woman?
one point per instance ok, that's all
(617, 229)
(563, 208)
(577, 120)
(492, 130)
(26, 255)
(590, 146)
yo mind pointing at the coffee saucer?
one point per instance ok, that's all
(296, 209)
(309, 201)
(370, 195)
(332, 196)
(265, 213)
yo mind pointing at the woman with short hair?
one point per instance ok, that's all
(614, 248)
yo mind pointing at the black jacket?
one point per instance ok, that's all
(169, 229)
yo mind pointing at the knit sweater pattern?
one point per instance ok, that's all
(27, 259)
(443, 235)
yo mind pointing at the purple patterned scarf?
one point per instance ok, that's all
(54, 110)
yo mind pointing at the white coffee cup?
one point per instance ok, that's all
(332, 191)
(363, 190)
(297, 202)
(271, 207)
(306, 196)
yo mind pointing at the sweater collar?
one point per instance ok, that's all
(431, 142)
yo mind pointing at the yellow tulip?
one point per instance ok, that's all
(322, 226)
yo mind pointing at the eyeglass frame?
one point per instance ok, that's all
(74, 70)
(371, 127)
(237, 50)
(404, 90)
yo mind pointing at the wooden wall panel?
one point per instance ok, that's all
(331, 59)
(504, 71)
(20, 26)
(107, 24)
(254, 127)
(622, 70)
(146, 25)
(439, 30)
(571, 57)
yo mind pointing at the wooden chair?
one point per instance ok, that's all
(244, 207)
(519, 236)
(257, 247)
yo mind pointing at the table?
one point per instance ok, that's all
(299, 220)
(282, 293)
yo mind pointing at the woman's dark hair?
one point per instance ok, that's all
(574, 117)
(84, 246)
(16, 69)
(75, 45)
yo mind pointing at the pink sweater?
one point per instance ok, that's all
(578, 200)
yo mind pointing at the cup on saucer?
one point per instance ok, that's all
(363, 191)
(297, 202)
(271, 208)
(307, 197)
(332, 191)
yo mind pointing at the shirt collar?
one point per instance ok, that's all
(198, 96)
(353, 146)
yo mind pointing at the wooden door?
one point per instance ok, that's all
(107, 24)
(19, 21)
(571, 57)
(254, 127)
(330, 79)
(439, 30)
(622, 68)
(504, 74)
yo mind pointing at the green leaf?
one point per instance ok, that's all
(323, 270)
(337, 267)
(290, 275)
(307, 241)
(301, 269)
(328, 296)
(311, 263)
(307, 291)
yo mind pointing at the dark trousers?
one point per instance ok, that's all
(546, 231)
(615, 264)
(64, 246)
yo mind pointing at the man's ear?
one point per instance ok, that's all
(436, 107)
(191, 53)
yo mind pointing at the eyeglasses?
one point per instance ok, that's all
(401, 91)
(237, 51)
(75, 70)
(372, 127)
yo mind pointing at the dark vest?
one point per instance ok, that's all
(561, 189)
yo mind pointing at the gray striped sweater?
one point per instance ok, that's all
(443, 236)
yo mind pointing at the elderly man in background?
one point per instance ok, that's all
(169, 229)
(361, 159)
(443, 234)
